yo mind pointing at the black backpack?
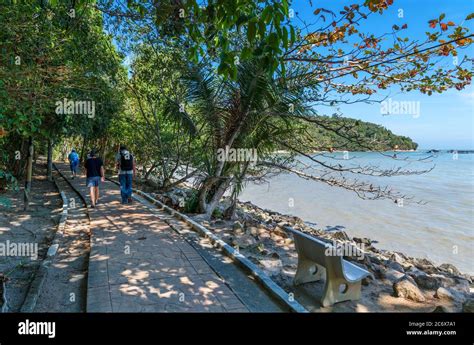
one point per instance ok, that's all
(126, 161)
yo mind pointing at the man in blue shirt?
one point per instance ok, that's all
(73, 162)
(95, 173)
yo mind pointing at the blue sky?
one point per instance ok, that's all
(446, 120)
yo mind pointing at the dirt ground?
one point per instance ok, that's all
(35, 226)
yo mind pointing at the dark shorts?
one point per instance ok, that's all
(93, 181)
(74, 166)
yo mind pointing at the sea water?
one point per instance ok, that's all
(437, 223)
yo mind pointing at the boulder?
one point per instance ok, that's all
(276, 237)
(444, 281)
(446, 294)
(252, 230)
(219, 222)
(280, 232)
(238, 228)
(395, 266)
(263, 233)
(273, 266)
(451, 269)
(453, 308)
(413, 271)
(275, 255)
(378, 271)
(441, 309)
(468, 306)
(340, 235)
(426, 281)
(462, 285)
(297, 220)
(367, 280)
(366, 261)
(423, 264)
(398, 257)
(365, 241)
(372, 259)
(405, 288)
(244, 241)
(392, 275)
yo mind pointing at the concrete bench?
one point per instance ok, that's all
(343, 278)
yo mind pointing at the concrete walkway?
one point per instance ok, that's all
(139, 264)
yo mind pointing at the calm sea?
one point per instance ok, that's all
(440, 228)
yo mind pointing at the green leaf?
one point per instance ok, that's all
(251, 31)
(273, 40)
(266, 15)
(285, 37)
(261, 28)
(285, 7)
(241, 20)
(470, 16)
(283, 68)
(246, 53)
(292, 34)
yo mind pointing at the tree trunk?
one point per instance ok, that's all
(29, 174)
(64, 152)
(152, 168)
(17, 163)
(229, 213)
(104, 151)
(82, 158)
(213, 190)
(50, 160)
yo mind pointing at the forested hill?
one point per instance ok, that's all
(364, 136)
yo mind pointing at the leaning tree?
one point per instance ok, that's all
(260, 78)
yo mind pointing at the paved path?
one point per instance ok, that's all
(139, 264)
(65, 283)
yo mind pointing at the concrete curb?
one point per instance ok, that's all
(34, 291)
(74, 189)
(249, 266)
(93, 251)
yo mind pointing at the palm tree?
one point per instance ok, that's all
(255, 111)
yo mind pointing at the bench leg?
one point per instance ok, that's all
(307, 272)
(332, 294)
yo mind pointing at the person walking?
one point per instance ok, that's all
(73, 162)
(95, 173)
(126, 171)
